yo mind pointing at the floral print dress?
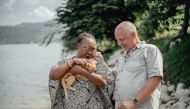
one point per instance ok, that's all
(87, 95)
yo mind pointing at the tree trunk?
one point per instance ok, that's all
(185, 25)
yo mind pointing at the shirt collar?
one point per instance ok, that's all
(139, 45)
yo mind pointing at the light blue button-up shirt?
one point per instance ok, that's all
(133, 70)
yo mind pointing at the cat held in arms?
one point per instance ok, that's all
(68, 79)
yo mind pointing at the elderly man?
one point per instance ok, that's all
(139, 71)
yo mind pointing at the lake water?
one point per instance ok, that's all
(24, 70)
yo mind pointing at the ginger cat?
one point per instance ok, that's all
(68, 79)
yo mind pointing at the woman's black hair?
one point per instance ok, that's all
(83, 36)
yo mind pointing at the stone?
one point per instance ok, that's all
(171, 88)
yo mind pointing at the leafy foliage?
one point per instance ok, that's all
(98, 17)
(161, 16)
(177, 63)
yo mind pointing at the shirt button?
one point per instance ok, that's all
(116, 89)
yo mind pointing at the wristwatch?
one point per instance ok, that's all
(135, 101)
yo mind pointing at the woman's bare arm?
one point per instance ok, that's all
(92, 77)
(58, 71)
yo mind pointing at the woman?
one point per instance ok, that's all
(93, 93)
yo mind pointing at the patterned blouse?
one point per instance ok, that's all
(87, 95)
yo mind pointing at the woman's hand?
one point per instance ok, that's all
(98, 55)
(76, 70)
(92, 77)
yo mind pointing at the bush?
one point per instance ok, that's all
(176, 59)
(177, 63)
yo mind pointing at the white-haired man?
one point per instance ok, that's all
(139, 71)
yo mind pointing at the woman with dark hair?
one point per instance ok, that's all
(93, 92)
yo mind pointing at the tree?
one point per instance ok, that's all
(98, 17)
(183, 31)
(163, 14)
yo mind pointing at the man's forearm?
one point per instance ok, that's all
(148, 89)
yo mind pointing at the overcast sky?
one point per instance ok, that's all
(14, 12)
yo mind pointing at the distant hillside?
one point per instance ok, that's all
(29, 32)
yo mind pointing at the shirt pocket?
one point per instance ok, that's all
(136, 64)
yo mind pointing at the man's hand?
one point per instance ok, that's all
(127, 105)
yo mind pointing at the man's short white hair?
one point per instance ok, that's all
(127, 26)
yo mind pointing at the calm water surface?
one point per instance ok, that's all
(24, 70)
